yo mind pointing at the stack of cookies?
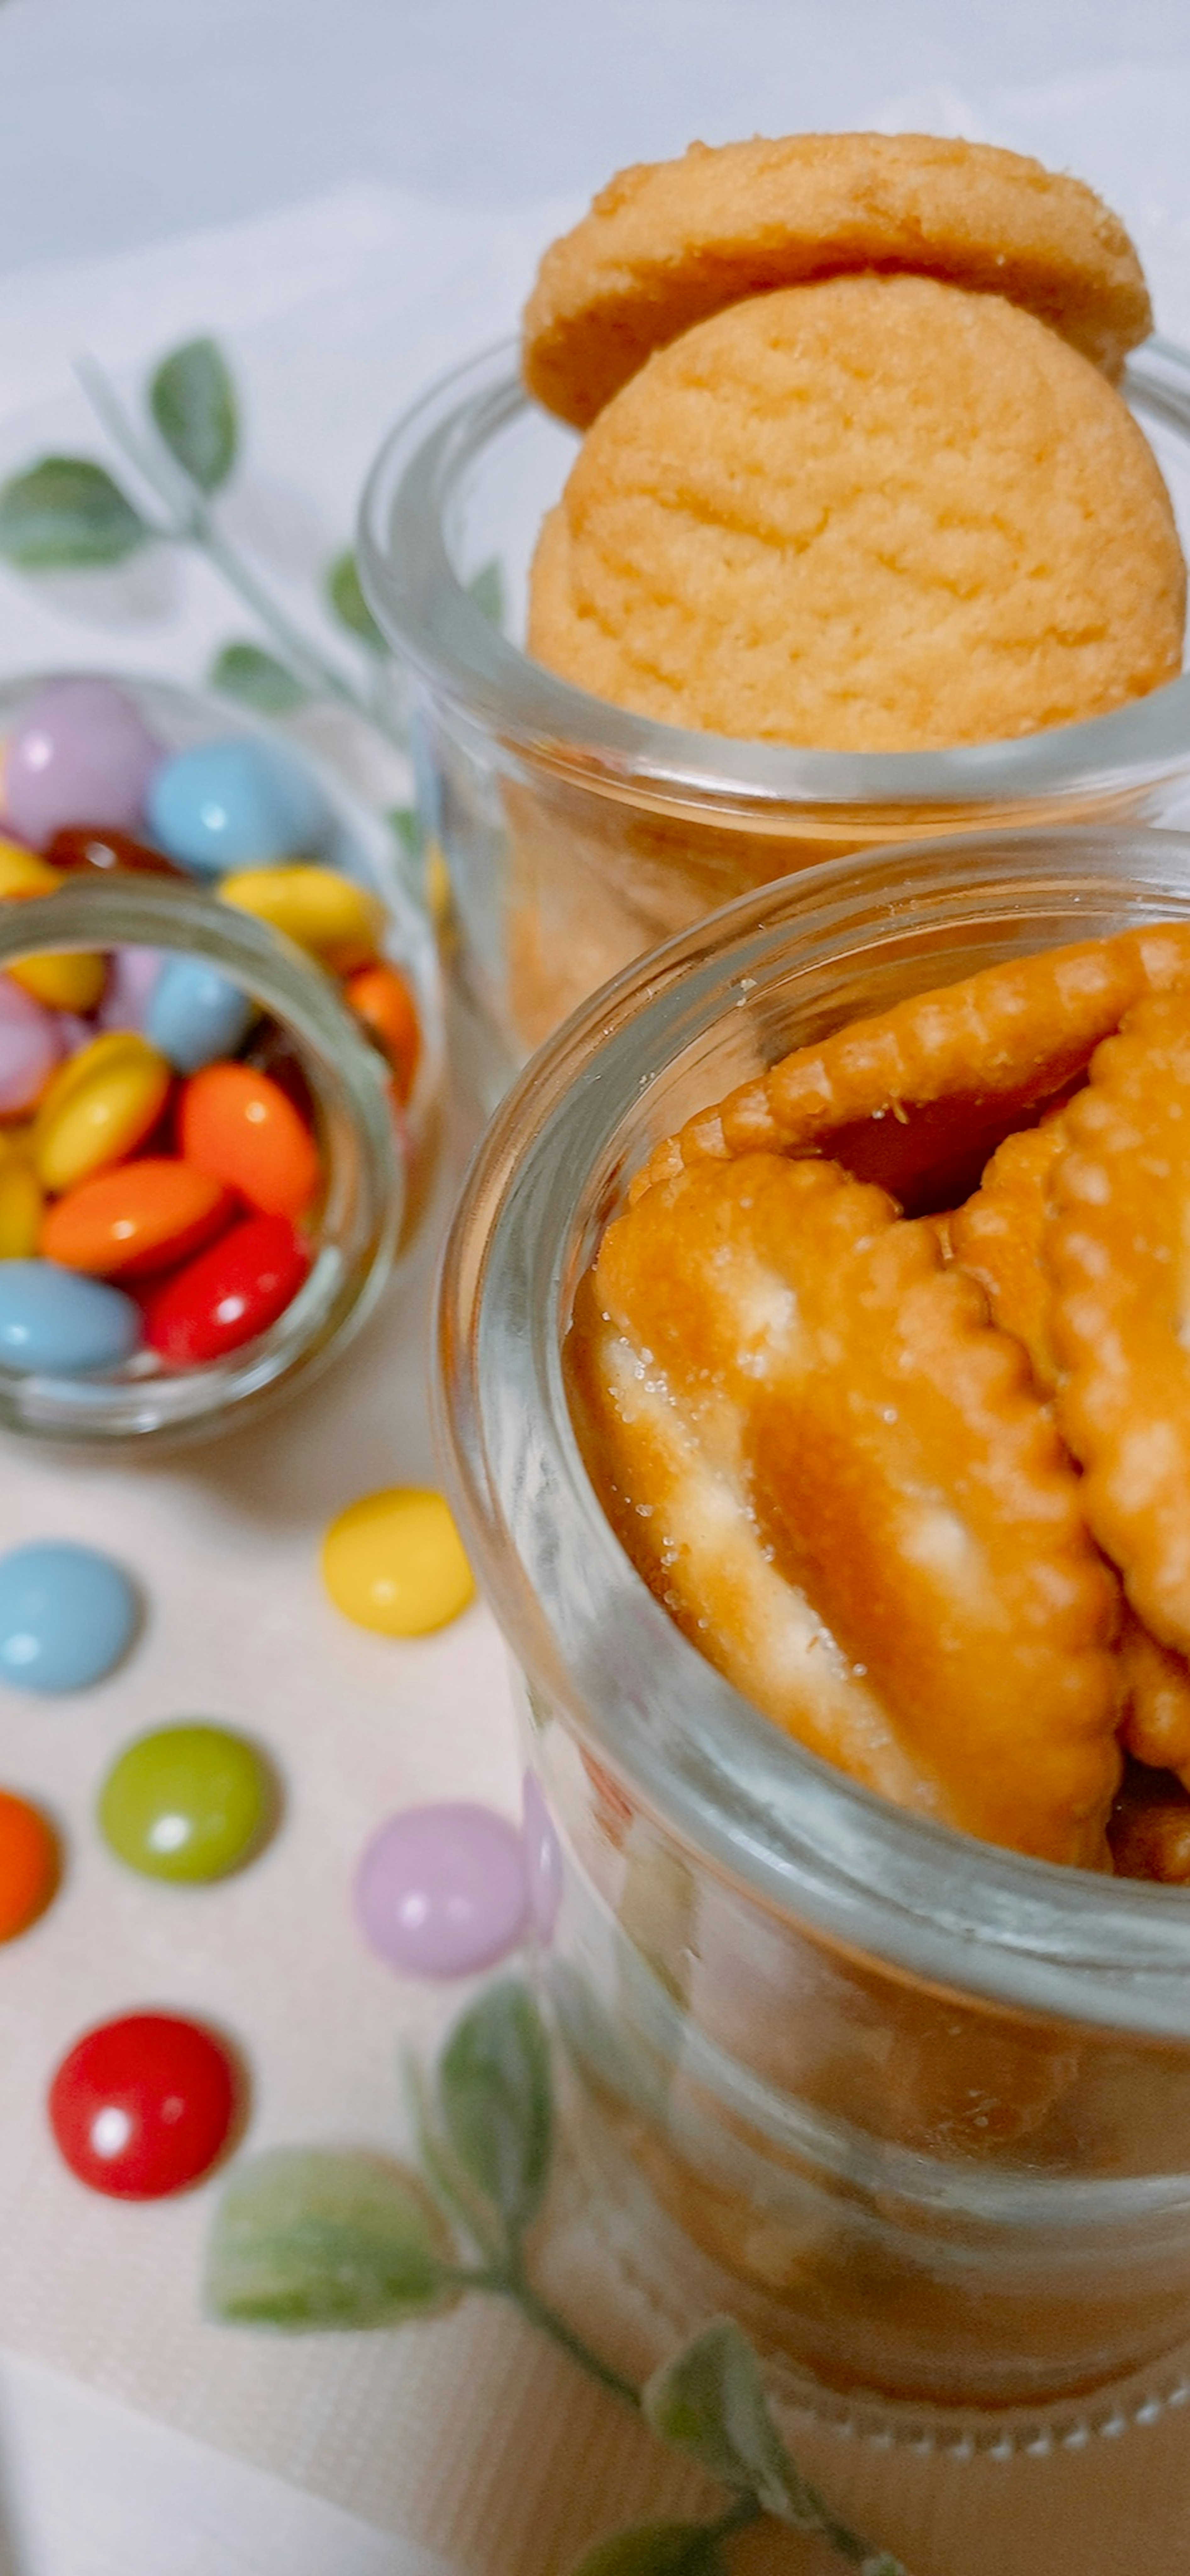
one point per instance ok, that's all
(856, 474)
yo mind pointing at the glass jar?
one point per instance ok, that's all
(359, 1218)
(577, 834)
(915, 2108)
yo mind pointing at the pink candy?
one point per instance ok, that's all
(131, 978)
(79, 753)
(441, 1891)
(30, 1046)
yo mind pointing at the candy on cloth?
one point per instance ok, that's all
(1150, 1828)
(22, 1201)
(236, 804)
(97, 850)
(132, 977)
(195, 1013)
(441, 1891)
(1117, 1251)
(837, 1475)
(68, 1615)
(1155, 1681)
(227, 1294)
(999, 1237)
(187, 1802)
(337, 921)
(143, 2106)
(237, 1124)
(78, 752)
(99, 1107)
(381, 998)
(30, 1046)
(140, 1217)
(55, 1323)
(988, 1049)
(394, 1561)
(668, 242)
(28, 1865)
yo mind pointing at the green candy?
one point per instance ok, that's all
(187, 1802)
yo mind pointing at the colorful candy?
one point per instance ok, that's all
(95, 849)
(68, 1616)
(79, 752)
(99, 1107)
(54, 1323)
(394, 1561)
(22, 1201)
(72, 982)
(131, 983)
(229, 1294)
(195, 1014)
(441, 1891)
(187, 1802)
(237, 1124)
(328, 914)
(143, 2106)
(235, 804)
(29, 1868)
(381, 998)
(30, 1047)
(134, 1219)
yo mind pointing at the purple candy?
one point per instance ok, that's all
(543, 1861)
(29, 1048)
(78, 753)
(441, 1891)
(132, 975)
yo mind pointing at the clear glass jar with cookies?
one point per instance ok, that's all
(624, 731)
(914, 2106)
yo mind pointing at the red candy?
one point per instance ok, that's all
(231, 1292)
(80, 845)
(142, 2106)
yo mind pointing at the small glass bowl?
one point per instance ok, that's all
(578, 835)
(917, 2110)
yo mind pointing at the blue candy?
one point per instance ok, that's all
(67, 1616)
(196, 1015)
(236, 804)
(56, 1323)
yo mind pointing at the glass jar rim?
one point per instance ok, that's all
(798, 1834)
(410, 504)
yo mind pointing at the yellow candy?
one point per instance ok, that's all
(98, 1107)
(330, 916)
(394, 1561)
(22, 1202)
(66, 983)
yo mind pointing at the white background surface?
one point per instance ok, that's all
(123, 125)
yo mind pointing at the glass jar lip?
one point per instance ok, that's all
(409, 504)
(799, 1835)
(167, 1409)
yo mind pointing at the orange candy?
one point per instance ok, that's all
(383, 1001)
(136, 1219)
(28, 1865)
(238, 1126)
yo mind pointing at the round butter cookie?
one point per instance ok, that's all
(668, 243)
(875, 514)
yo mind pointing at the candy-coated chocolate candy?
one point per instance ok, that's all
(143, 2106)
(275, 1052)
(394, 1561)
(382, 1000)
(28, 1865)
(99, 851)
(23, 875)
(54, 1323)
(229, 1294)
(195, 1014)
(235, 804)
(79, 752)
(187, 1802)
(133, 1220)
(66, 982)
(132, 976)
(441, 1891)
(99, 1107)
(237, 1124)
(334, 919)
(29, 1049)
(22, 1203)
(67, 1615)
